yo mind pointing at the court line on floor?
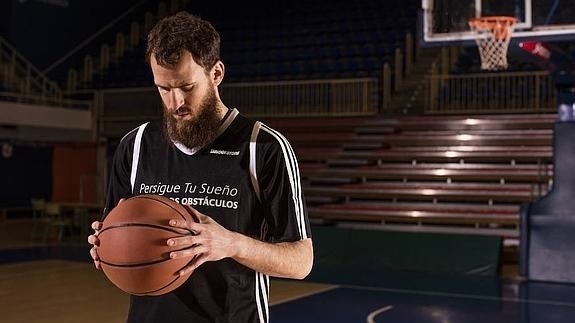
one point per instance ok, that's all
(372, 315)
(304, 295)
(469, 296)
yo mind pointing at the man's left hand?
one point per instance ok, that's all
(211, 241)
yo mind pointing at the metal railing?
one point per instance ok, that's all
(60, 102)
(18, 74)
(497, 92)
(336, 97)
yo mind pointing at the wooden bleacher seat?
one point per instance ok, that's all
(483, 122)
(418, 212)
(507, 137)
(435, 171)
(317, 153)
(332, 139)
(290, 125)
(536, 137)
(431, 191)
(430, 154)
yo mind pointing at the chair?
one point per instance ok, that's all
(56, 220)
(81, 221)
(38, 215)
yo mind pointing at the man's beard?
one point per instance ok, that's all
(199, 131)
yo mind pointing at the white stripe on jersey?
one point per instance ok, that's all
(233, 114)
(262, 287)
(258, 300)
(253, 171)
(136, 154)
(294, 177)
(126, 135)
(264, 290)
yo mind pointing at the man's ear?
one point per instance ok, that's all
(217, 73)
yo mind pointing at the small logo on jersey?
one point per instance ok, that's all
(224, 152)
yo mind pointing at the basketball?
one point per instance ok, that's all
(133, 250)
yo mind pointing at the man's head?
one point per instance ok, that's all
(181, 32)
(183, 52)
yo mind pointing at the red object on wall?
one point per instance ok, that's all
(74, 169)
(538, 49)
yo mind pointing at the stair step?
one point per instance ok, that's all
(331, 180)
(375, 130)
(321, 199)
(348, 162)
(362, 146)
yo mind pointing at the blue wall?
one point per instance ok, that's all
(25, 173)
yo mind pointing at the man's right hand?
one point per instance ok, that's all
(95, 242)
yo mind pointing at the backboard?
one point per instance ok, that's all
(444, 22)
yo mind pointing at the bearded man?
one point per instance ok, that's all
(239, 176)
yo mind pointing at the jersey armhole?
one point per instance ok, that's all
(253, 159)
(136, 155)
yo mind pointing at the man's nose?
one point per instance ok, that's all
(175, 99)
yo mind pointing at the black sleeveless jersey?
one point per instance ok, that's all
(247, 180)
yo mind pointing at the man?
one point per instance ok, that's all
(240, 176)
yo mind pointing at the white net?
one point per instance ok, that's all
(493, 36)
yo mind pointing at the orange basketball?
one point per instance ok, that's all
(133, 250)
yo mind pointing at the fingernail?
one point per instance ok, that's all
(171, 242)
(173, 222)
(172, 254)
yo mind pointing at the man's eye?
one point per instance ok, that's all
(188, 88)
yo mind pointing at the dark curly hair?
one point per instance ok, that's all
(173, 35)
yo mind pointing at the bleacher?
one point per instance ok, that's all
(450, 173)
(297, 40)
(317, 41)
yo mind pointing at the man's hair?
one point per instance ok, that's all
(173, 35)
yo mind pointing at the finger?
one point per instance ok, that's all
(96, 225)
(181, 241)
(202, 218)
(189, 252)
(194, 264)
(196, 215)
(93, 239)
(179, 223)
(182, 224)
(94, 254)
(95, 257)
(191, 227)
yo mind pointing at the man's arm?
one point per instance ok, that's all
(213, 242)
(283, 259)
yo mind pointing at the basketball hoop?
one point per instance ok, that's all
(493, 36)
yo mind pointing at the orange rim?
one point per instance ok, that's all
(498, 25)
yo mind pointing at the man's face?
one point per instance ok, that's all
(191, 113)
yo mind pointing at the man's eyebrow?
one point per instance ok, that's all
(183, 84)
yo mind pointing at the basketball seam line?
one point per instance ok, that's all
(135, 265)
(154, 197)
(157, 290)
(155, 226)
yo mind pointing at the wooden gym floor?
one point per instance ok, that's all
(61, 291)
(57, 283)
